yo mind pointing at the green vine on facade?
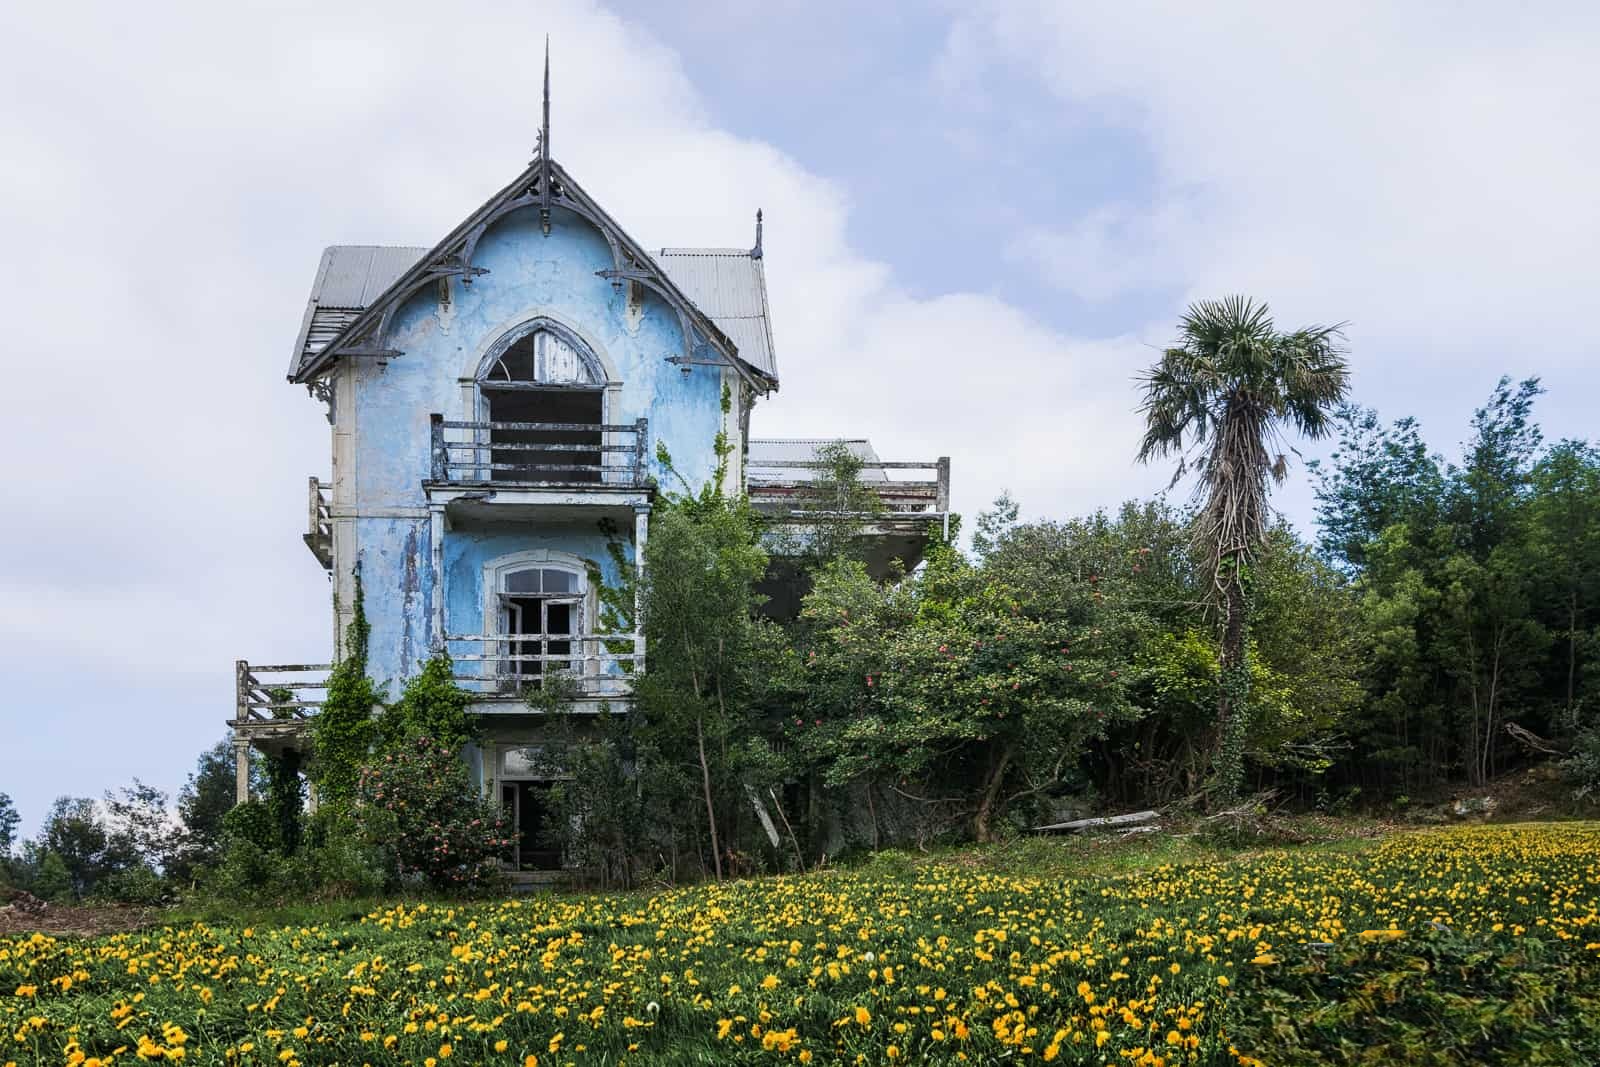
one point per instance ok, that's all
(344, 731)
(285, 798)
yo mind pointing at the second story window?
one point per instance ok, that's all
(544, 397)
(542, 607)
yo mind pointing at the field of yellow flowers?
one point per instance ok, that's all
(1472, 945)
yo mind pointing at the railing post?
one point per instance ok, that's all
(241, 690)
(314, 516)
(641, 430)
(441, 469)
(944, 493)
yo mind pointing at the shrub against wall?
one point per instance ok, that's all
(441, 830)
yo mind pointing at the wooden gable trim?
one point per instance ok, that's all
(452, 257)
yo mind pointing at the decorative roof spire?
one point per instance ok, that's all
(755, 253)
(544, 147)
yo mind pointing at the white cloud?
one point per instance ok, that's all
(1426, 171)
(170, 182)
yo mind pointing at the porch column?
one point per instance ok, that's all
(436, 543)
(641, 535)
(241, 771)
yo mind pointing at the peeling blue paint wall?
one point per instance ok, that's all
(530, 275)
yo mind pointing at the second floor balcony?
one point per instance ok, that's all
(491, 469)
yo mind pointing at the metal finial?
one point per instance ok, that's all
(544, 147)
(755, 253)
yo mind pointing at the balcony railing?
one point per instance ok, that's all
(597, 665)
(319, 522)
(278, 692)
(790, 487)
(536, 454)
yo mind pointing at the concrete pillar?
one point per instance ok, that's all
(241, 770)
(641, 536)
(436, 541)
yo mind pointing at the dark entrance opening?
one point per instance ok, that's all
(529, 806)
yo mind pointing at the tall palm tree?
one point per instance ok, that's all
(1220, 400)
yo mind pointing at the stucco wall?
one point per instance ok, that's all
(530, 275)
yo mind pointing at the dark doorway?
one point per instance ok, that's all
(529, 806)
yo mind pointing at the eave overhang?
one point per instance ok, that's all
(365, 334)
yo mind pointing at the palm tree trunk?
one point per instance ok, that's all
(1234, 690)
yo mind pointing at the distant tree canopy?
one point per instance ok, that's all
(1479, 583)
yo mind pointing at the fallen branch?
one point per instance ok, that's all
(1132, 818)
(1533, 742)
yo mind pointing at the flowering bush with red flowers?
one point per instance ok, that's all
(418, 801)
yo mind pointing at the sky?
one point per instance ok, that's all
(982, 220)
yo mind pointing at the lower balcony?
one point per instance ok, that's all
(274, 703)
(505, 671)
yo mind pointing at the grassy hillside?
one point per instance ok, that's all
(1469, 945)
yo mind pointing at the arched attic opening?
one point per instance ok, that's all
(543, 393)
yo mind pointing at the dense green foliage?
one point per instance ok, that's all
(1479, 591)
(344, 729)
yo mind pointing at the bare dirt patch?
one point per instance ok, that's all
(24, 914)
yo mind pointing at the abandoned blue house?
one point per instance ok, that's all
(496, 401)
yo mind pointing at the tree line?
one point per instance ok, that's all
(1440, 627)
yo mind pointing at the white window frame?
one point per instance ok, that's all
(494, 596)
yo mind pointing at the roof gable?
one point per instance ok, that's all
(730, 285)
(384, 277)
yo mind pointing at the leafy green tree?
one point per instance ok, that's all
(1564, 541)
(51, 880)
(1223, 395)
(75, 831)
(1377, 476)
(203, 801)
(139, 823)
(955, 682)
(702, 563)
(9, 821)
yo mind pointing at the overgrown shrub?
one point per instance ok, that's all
(137, 884)
(442, 831)
(432, 705)
(1582, 765)
(597, 814)
(334, 859)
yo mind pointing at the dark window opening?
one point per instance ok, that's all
(530, 453)
(546, 394)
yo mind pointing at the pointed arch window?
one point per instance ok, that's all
(543, 393)
(547, 358)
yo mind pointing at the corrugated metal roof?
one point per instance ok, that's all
(730, 286)
(349, 279)
(767, 450)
